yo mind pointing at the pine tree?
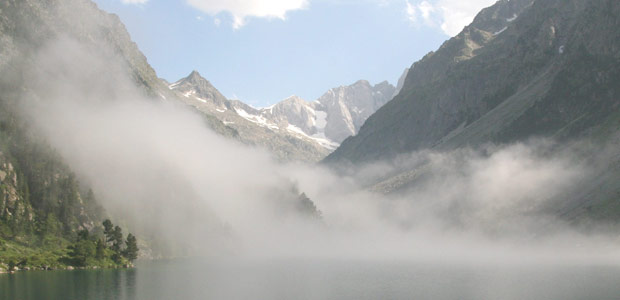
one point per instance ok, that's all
(108, 229)
(82, 235)
(117, 239)
(82, 251)
(100, 251)
(131, 252)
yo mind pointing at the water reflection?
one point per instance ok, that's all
(69, 285)
(315, 280)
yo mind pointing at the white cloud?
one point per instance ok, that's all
(426, 9)
(242, 9)
(457, 14)
(411, 12)
(449, 15)
(134, 1)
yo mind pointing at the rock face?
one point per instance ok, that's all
(348, 107)
(202, 89)
(294, 128)
(401, 82)
(243, 123)
(523, 68)
(14, 209)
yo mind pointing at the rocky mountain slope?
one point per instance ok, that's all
(199, 93)
(522, 69)
(325, 123)
(42, 203)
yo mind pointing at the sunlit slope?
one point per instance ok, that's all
(521, 69)
(549, 70)
(198, 93)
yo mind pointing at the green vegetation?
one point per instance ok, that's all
(88, 251)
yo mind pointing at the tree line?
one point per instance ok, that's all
(95, 249)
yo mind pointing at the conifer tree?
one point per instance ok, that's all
(131, 252)
(100, 251)
(108, 229)
(117, 239)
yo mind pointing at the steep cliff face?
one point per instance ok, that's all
(522, 68)
(15, 211)
(348, 107)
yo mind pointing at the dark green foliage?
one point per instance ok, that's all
(100, 250)
(12, 265)
(108, 229)
(117, 239)
(307, 207)
(88, 250)
(82, 251)
(92, 250)
(131, 251)
(82, 235)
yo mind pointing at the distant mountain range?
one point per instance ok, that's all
(318, 126)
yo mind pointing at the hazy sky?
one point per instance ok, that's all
(262, 51)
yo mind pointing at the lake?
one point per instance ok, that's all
(315, 279)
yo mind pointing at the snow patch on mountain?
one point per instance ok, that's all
(511, 19)
(500, 31)
(320, 138)
(260, 120)
(336, 115)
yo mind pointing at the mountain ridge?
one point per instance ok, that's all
(514, 41)
(323, 122)
(524, 69)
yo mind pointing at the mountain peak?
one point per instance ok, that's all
(294, 98)
(361, 82)
(197, 86)
(194, 75)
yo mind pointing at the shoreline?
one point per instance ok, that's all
(67, 268)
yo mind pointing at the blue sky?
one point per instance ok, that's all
(262, 51)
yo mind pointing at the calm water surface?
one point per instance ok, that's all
(189, 279)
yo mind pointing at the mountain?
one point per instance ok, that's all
(347, 107)
(202, 89)
(317, 126)
(401, 82)
(199, 93)
(43, 205)
(522, 69)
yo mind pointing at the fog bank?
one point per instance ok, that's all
(157, 167)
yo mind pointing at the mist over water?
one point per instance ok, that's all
(159, 169)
